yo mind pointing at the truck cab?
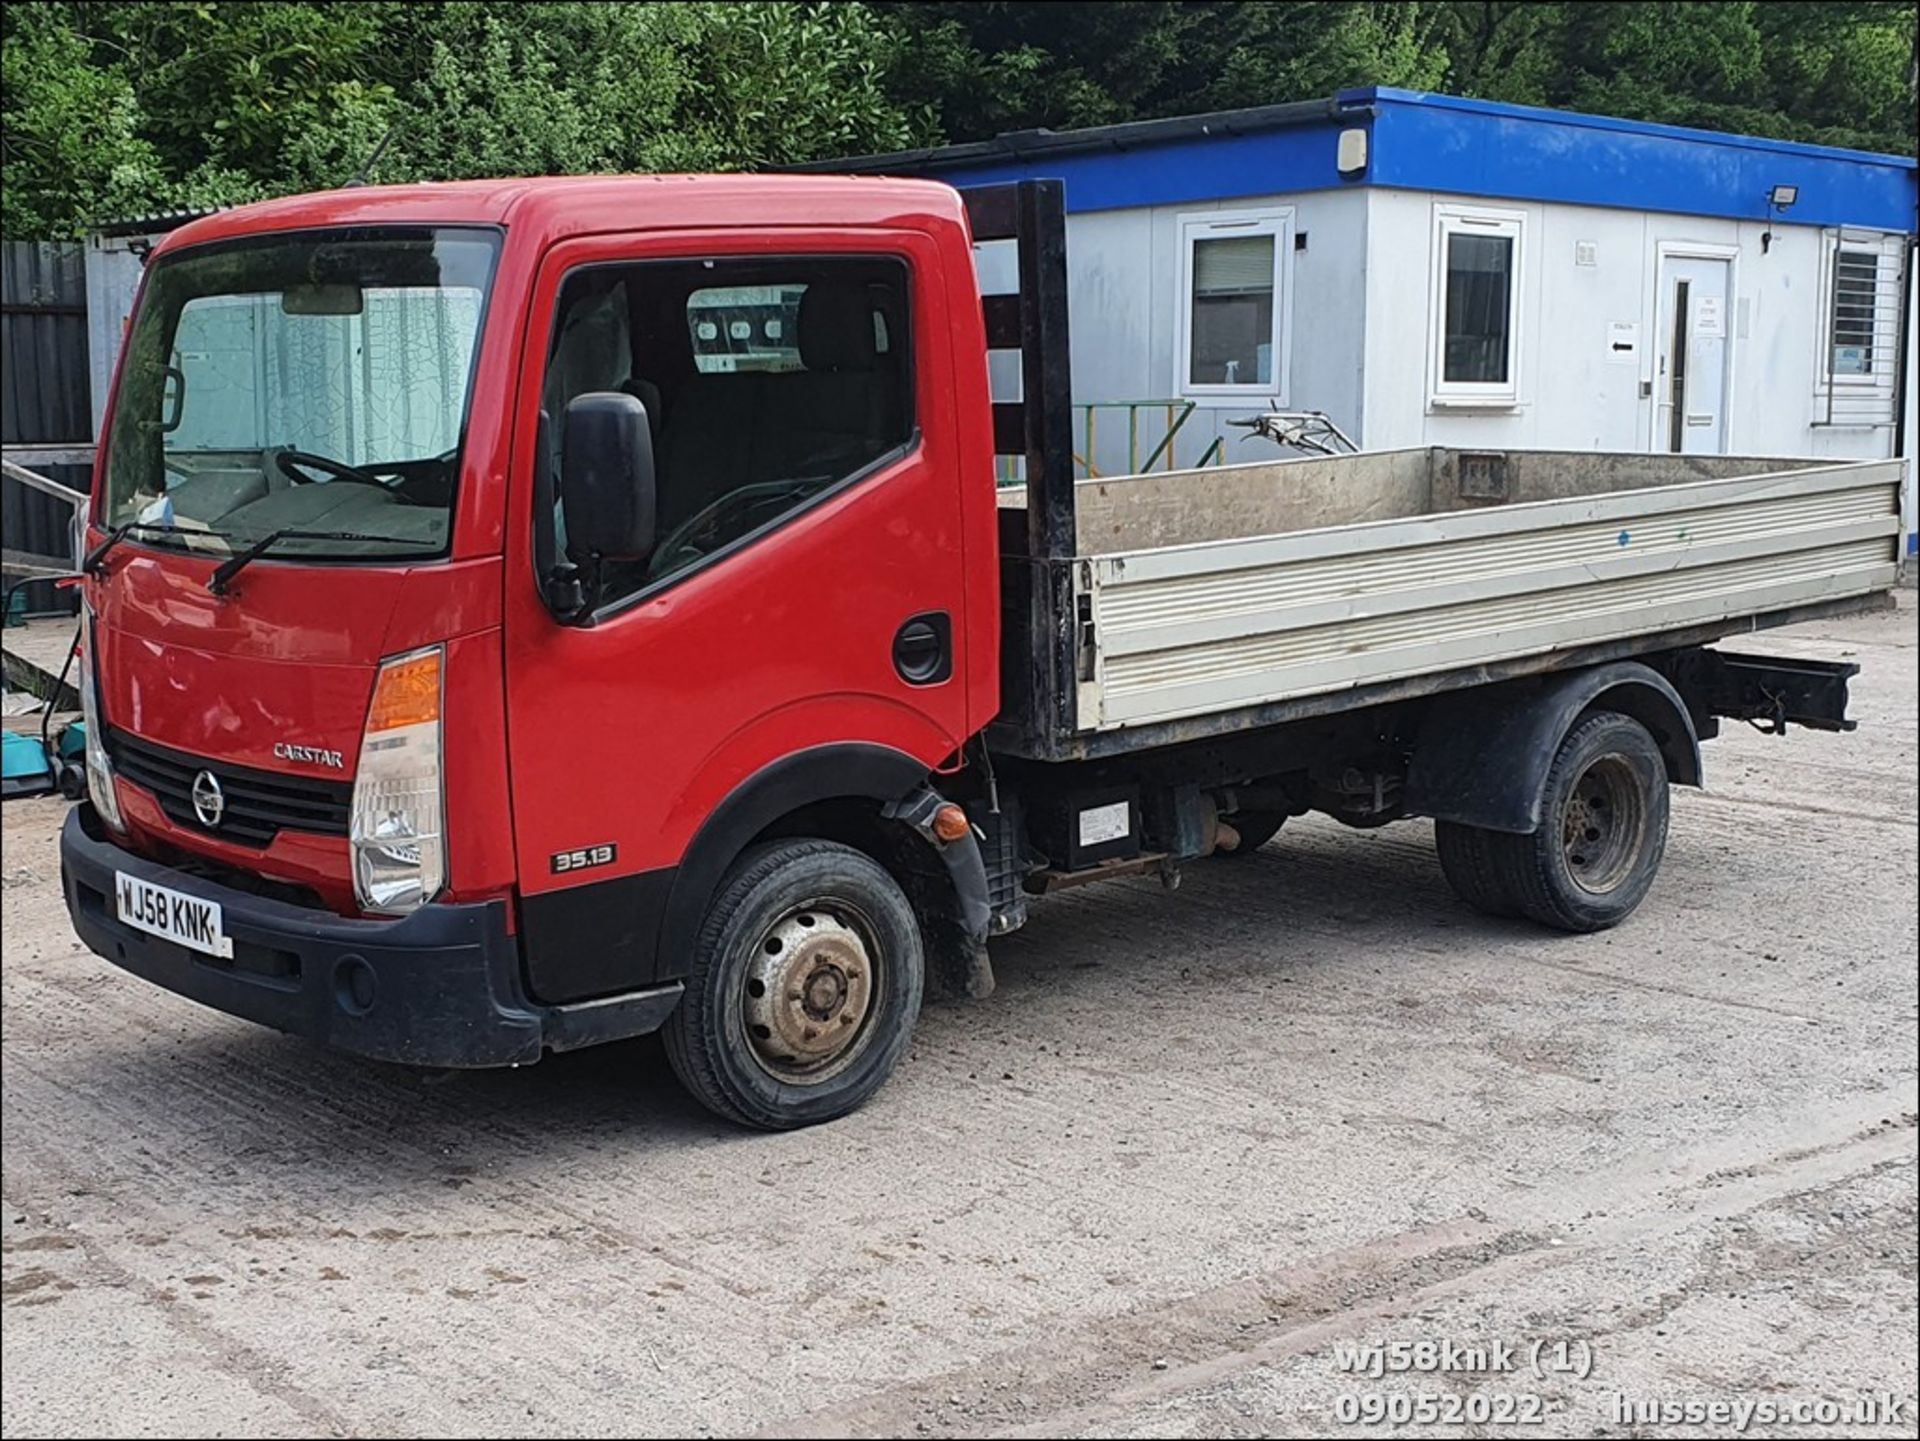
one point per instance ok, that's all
(451, 784)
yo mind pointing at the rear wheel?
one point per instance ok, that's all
(807, 979)
(1255, 829)
(1603, 829)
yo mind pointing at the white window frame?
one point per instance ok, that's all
(1450, 220)
(1277, 221)
(1880, 383)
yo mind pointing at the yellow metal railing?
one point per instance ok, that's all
(1171, 416)
(1164, 420)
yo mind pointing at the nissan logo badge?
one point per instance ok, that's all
(209, 801)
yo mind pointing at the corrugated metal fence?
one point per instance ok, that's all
(44, 391)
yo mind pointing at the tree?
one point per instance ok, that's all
(1798, 69)
(71, 142)
(534, 89)
(144, 105)
(772, 83)
(988, 68)
(136, 107)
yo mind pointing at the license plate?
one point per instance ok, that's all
(172, 915)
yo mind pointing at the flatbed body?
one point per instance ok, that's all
(1212, 601)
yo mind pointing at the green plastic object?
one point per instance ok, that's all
(23, 766)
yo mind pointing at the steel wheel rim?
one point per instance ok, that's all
(812, 991)
(1603, 825)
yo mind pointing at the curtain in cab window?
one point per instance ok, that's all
(388, 382)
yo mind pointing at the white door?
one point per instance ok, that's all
(1692, 344)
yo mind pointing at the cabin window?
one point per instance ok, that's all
(1236, 268)
(745, 327)
(1860, 333)
(1856, 275)
(1476, 312)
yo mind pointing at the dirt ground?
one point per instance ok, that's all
(1196, 1147)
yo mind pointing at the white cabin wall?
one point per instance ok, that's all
(1572, 394)
(1124, 272)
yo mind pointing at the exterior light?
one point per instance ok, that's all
(397, 826)
(1350, 152)
(950, 823)
(1779, 197)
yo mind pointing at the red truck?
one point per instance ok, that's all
(525, 614)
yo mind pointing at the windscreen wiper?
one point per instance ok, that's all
(97, 557)
(222, 578)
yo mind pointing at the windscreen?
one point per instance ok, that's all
(312, 382)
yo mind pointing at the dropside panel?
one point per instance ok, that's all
(1201, 628)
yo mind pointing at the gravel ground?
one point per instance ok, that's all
(1196, 1148)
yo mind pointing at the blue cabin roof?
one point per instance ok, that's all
(1421, 141)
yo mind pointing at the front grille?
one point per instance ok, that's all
(259, 804)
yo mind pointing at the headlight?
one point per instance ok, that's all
(99, 768)
(399, 856)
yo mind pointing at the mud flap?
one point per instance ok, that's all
(966, 869)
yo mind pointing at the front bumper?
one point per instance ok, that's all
(439, 987)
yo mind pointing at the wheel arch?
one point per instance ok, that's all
(862, 796)
(1480, 756)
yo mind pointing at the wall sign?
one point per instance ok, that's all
(1623, 342)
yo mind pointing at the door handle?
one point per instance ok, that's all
(923, 648)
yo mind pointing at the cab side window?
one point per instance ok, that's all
(767, 383)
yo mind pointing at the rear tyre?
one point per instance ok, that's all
(1255, 829)
(1466, 858)
(807, 978)
(1603, 829)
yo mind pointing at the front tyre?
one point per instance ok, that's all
(807, 978)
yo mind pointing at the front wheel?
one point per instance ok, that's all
(807, 978)
(1603, 829)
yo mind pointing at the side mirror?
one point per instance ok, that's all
(606, 478)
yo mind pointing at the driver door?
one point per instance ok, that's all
(808, 509)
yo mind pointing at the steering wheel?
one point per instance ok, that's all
(665, 554)
(285, 460)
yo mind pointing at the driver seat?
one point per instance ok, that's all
(838, 413)
(734, 428)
